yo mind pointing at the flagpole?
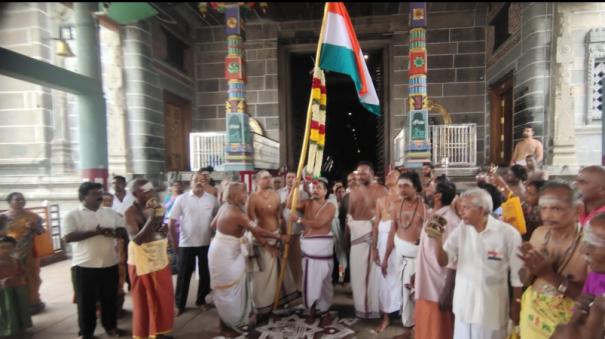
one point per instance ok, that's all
(301, 162)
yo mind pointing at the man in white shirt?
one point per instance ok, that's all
(485, 250)
(91, 230)
(196, 209)
(122, 199)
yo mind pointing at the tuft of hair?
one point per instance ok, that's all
(414, 178)
(86, 187)
(447, 190)
(481, 198)
(429, 164)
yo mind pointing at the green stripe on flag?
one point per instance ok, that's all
(340, 59)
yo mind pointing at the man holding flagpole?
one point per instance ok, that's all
(339, 51)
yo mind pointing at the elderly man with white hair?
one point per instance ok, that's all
(485, 250)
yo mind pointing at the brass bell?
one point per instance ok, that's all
(62, 49)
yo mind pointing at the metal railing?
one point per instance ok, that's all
(454, 145)
(208, 149)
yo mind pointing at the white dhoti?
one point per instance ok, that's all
(229, 279)
(464, 330)
(406, 256)
(389, 286)
(264, 281)
(364, 274)
(317, 264)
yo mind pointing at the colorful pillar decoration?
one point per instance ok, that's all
(239, 149)
(418, 149)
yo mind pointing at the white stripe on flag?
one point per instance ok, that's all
(336, 32)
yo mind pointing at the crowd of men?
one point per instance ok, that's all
(450, 265)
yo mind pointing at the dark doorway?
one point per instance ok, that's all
(352, 133)
(501, 121)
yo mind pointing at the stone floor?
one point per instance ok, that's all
(59, 319)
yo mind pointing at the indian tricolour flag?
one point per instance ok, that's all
(340, 52)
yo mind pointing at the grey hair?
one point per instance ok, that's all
(481, 199)
(573, 196)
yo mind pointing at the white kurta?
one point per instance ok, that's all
(484, 261)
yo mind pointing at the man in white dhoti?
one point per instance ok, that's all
(264, 208)
(409, 216)
(317, 248)
(294, 255)
(362, 207)
(382, 246)
(227, 259)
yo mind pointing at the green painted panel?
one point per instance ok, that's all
(129, 12)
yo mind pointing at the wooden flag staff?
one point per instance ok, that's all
(301, 162)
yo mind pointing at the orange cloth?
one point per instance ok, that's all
(152, 302)
(431, 323)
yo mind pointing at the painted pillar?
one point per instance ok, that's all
(418, 148)
(239, 149)
(91, 108)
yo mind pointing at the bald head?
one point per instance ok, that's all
(591, 184)
(235, 191)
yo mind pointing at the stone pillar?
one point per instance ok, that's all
(144, 102)
(91, 108)
(418, 148)
(239, 149)
(60, 148)
(564, 141)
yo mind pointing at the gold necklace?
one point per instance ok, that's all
(266, 198)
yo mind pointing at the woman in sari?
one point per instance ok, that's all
(23, 225)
